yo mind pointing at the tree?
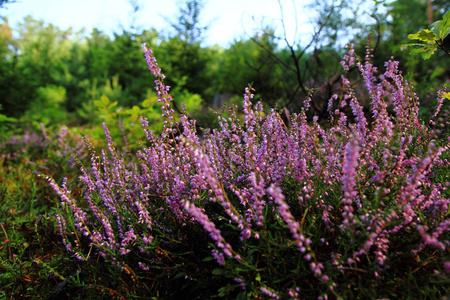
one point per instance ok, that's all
(3, 2)
(182, 58)
(32, 57)
(437, 38)
(187, 26)
(305, 61)
(384, 26)
(250, 61)
(11, 83)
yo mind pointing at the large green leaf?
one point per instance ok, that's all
(444, 26)
(425, 35)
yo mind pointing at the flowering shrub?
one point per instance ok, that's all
(22, 156)
(43, 148)
(274, 210)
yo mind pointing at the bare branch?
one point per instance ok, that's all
(317, 33)
(272, 54)
(378, 33)
(282, 22)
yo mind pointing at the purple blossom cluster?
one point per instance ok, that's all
(32, 145)
(16, 146)
(339, 195)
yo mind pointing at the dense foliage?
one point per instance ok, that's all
(60, 73)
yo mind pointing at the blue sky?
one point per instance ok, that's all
(228, 19)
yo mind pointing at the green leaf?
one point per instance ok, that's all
(226, 290)
(425, 35)
(209, 258)
(98, 103)
(114, 104)
(435, 27)
(438, 71)
(218, 272)
(444, 26)
(180, 275)
(426, 51)
(147, 103)
(134, 112)
(4, 118)
(104, 100)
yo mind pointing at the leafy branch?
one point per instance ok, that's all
(436, 38)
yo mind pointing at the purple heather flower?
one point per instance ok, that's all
(241, 283)
(143, 267)
(349, 180)
(269, 293)
(78, 256)
(151, 61)
(219, 257)
(44, 134)
(447, 266)
(210, 227)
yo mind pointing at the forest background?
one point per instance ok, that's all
(55, 76)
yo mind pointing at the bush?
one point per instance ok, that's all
(268, 209)
(31, 252)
